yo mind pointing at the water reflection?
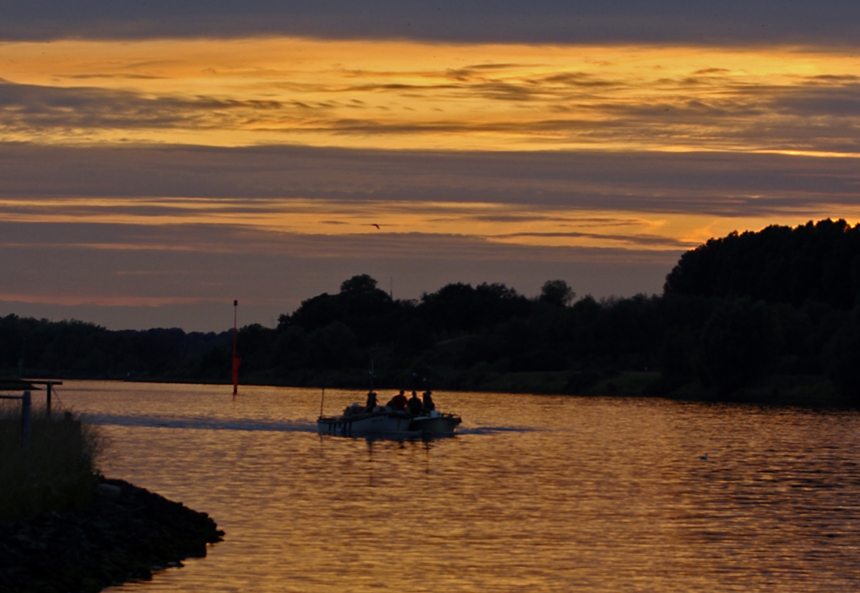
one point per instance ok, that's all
(534, 494)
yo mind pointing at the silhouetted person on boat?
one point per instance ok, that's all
(428, 405)
(414, 405)
(398, 402)
(371, 401)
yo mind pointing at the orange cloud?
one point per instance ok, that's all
(255, 224)
(410, 95)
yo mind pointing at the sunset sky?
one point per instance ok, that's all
(160, 159)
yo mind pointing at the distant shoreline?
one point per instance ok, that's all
(769, 317)
(813, 391)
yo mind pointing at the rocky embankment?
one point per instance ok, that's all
(123, 534)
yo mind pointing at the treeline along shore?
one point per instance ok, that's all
(769, 316)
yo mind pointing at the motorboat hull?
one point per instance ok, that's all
(435, 423)
(374, 423)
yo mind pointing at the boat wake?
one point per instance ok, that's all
(201, 423)
(491, 430)
(246, 424)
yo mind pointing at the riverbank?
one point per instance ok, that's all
(124, 533)
(813, 391)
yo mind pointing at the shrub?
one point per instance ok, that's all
(57, 471)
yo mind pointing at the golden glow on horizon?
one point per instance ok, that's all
(399, 222)
(408, 95)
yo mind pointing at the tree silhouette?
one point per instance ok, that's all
(556, 292)
(816, 261)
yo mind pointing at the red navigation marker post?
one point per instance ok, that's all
(236, 359)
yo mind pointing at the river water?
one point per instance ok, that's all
(534, 493)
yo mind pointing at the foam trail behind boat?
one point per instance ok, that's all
(200, 423)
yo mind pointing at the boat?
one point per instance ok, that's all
(435, 423)
(385, 421)
(392, 420)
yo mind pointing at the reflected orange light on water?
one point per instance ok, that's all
(534, 493)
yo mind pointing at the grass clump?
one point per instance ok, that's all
(56, 473)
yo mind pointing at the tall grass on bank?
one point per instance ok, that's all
(56, 473)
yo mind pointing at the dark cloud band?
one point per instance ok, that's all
(721, 184)
(538, 21)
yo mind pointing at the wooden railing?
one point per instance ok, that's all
(49, 386)
(27, 404)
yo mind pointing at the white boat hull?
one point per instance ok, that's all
(375, 423)
(435, 423)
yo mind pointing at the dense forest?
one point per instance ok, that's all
(772, 315)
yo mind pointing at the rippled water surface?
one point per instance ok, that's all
(535, 493)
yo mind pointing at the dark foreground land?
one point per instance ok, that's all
(124, 533)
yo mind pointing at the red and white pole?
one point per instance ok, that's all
(236, 359)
